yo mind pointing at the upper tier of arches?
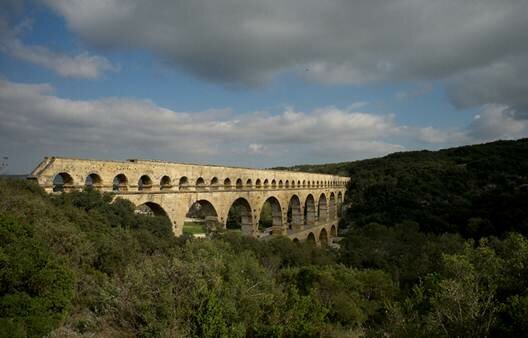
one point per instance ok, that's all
(64, 181)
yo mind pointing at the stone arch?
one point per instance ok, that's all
(295, 240)
(258, 183)
(275, 221)
(287, 184)
(200, 184)
(63, 182)
(333, 231)
(322, 208)
(93, 181)
(145, 183)
(273, 184)
(227, 184)
(154, 209)
(201, 214)
(165, 183)
(294, 214)
(309, 184)
(239, 184)
(266, 183)
(293, 184)
(249, 183)
(120, 183)
(304, 183)
(214, 183)
(281, 185)
(323, 237)
(183, 184)
(309, 210)
(240, 216)
(332, 206)
(299, 183)
(311, 238)
(339, 203)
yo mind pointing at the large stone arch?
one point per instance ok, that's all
(339, 203)
(276, 214)
(332, 207)
(311, 238)
(294, 213)
(155, 208)
(333, 231)
(323, 237)
(322, 208)
(242, 214)
(203, 212)
(309, 210)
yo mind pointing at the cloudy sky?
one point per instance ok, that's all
(258, 83)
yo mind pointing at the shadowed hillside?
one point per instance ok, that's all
(477, 190)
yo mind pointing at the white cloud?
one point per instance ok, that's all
(497, 122)
(84, 65)
(35, 123)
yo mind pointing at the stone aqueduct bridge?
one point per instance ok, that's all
(171, 189)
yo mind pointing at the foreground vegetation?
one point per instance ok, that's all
(435, 247)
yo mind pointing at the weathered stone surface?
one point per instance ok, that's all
(172, 188)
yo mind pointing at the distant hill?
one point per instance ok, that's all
(477, 190)
(17, 177)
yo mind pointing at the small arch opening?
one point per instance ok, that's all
(165, 183)
(266, 183)
(144, 183)
(239, 184)
(62, 182)
(93, 181)
(249, 184)
(258, 183)
(120, 183)
(227, 184)
(183, 183)
(215, 184)
(273, 184)
(200, 184)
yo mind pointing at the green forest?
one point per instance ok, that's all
(434, 245)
